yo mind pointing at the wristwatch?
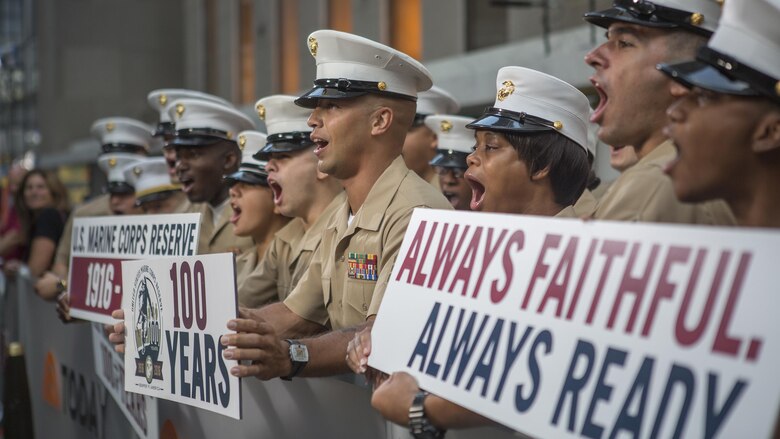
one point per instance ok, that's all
(419, 425)
(299, 356)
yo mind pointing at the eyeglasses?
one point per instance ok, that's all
(455, 172)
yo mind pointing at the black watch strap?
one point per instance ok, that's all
(419, 425)
(298, 361)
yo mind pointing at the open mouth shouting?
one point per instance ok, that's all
(321, 144)
(477, 192)
(598, 113)
(186, 183)
(236, 212)
(276, 188)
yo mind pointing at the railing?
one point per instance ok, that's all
(69, 401)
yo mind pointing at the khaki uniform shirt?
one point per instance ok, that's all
(644, 193)
(434, 181)
(602, 189)
(568, 212)
(185, 206)
(246, 264)
(285, 261)
(585, 205)
(98, 206)
(350, 270)
(219, 238)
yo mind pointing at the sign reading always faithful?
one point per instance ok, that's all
(564, 328)
(99, 244)
(175, 314)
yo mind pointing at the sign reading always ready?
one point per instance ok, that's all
(100, 244)
(561, 328)
(175, 314)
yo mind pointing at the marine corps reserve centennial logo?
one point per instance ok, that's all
(146, 308)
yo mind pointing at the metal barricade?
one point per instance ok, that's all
(69, 401)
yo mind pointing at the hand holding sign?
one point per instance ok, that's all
(358, 351)
(116, 332)
(394, 396)
(256, 341)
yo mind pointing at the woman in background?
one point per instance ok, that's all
(42, 205)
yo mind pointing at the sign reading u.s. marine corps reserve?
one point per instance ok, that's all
(563, 328)
(99, 244)
(175, 314)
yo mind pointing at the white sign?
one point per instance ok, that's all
(175, 314)
(99, 244)
(140, 410)
(563, 328)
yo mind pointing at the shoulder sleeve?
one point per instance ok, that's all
(644, 196)
(259, 286)
(49, 224)
(307, 299)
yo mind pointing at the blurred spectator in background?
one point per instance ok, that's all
(11, 239)
(42, 204)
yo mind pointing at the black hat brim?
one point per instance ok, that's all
(164, 129)
(120, 188)
(154, 197)
(310, 98)
(198, 140)
(699, 74)
(606, 17)
(660, 17)
(248, 177)
(447, 159)
(110, 148)
(500, 123)
(281, 147)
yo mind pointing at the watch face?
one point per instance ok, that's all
(298, 352)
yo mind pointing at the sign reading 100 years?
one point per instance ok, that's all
(175, 313)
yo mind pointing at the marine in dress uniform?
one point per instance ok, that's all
(161, 101)
(528, 104)
(251, 172)
(421, 143)
(348, 273)
(154, 191)
(534, 113)
(735, 78)
(205, 142)
(455, 143)
(643, 192)
(289, 254)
